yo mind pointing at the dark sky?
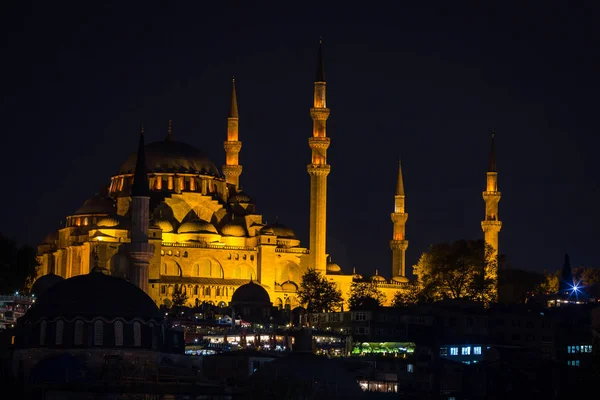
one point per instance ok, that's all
(424, 84)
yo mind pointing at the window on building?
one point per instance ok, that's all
(453, 351)
(163, 289)
(60, 329)
(78, 339)
(467, 362)
(477, 350)
(251, 257)
(195, 290)
(244, 256)
(118, 333)
(137, 334)
(465, 351)
(586, 348)
(360, 316)
(98, 333)
(410, 368)
(43, 332)
(573, 363)
(229, 256)
(443, 351)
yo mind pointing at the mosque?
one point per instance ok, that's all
(171, 218)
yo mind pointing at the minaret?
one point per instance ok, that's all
(318, 169)
(232, 170)
(491, 225)
(399, 244)
(140, 251)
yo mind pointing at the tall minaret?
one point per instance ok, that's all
(140, 251)
(399, 244)
(232, 170)
(318, 169)
(491, 225)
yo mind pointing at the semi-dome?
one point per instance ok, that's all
(108, 222)
(44, 283)
(400, 279)
(165, 225)
(171, 156)
(333, 267)
(233, 228)
(197, 227)
(93, 295)
(266, 230)
(281, 231)
(250, 293)
(97, 204)
(240, 197)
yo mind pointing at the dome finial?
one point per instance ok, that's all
(376, 272)
(170, 130)
(320, 76)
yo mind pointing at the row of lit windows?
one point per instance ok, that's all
(464, 351)
(579, 349)
(185, 255)
(573, 363)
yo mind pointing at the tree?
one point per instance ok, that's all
(550, 284)
(179, 296)
(365, 295)
(464, 269)
(18, 266)
(318, 294)
(589, 280)
(409, 295)
(516, 285)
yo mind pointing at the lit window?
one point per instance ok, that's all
(453, 351)
(477, 350)
(467, 362)
(410, 368)
(466, 351)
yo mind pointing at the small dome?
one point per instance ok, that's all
(378, 278)
(97, 204)
(44, 283)
(197, 227)
(234, 228)
(400, 279)
(108, 222)
(357, 276)
(166, 226)
(250, 293)
(266, 230)
(289, 286)
(86, 296)
(282, 231)
(333, 267)
(240, 197)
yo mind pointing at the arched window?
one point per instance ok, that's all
(195, 290)
(98, 333)
(154, 336)
(137, 334)
(229, 256)
(218, 291)
(207, 291)
(43, 332)
(60, 329)
(78, 339)
(118, 333)
(237, 256)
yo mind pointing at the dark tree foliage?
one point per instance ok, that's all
(179, 296)
(365, 295)
(318, 294)
(516, 285)
(18, 266)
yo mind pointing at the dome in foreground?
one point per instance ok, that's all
(93, 295)
(280, 230)
(333, 267)
(172, 156)
(378, 278)
(197, 227)
(327, 377)
(234, 228)
(44, 283)
(250, 293)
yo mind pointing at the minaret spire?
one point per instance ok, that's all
(491, 225)
(140, 251)
(232, 170)
(399, 244)
(318, 169)
(170, 131)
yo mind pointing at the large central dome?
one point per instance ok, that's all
(171, 156)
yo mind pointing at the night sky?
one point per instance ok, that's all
(424, 84)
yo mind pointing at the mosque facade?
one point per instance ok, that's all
(170, 218)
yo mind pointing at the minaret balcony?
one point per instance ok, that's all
(399, 244)
(318, 169)
(232, 146)
(320, 143)
(320, 114)
(232, 170)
